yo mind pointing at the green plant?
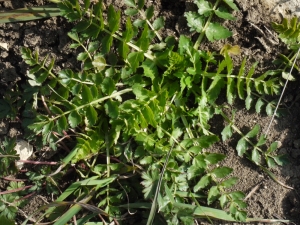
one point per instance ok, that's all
(132, 100)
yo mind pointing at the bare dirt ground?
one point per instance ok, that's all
(269, 199)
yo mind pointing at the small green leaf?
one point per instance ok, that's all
(223, 200)
(108, 85)
(262, 140)
(86, 94)
(258, 105)
(140, 4)
(130, 3)
(195, 21)
(149, 12)
(237, 195)
(158, 23)
(134, 59)
(214, 158)
(272, 147)
(194, 171)
(131, 12)
(288, 76)
(215, 89)
(231, 4)
(221, 172)
(253, 132)
(91, 115)
(224, 14)
(241, 147)
(271, 163)
(113, 19)
(213, 194)
(99, 62)
(74, 36)
(74, 119)
(226, 133)
(269, 109)
(241, 81)
(281, 160)
(62, 124)
(204, 7)
(229, 182)
(204, 181)
(93, 46)
(112, 108)
(82, 56)
(255, 156)
(217, 32)
(248, 101)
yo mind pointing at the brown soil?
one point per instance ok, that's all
(269, 200)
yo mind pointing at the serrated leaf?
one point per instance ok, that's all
(204, 182)
(106, 43)
(272, 147)
(148, 115)
(281, 160)
(253, 132)
(86, 94)
(224, 14)
(241, 81)
(194, 21)
(204, 7)
(112, 108)
(93, 46)
(269, 109)
(113, 19)
(216, 32)
(108, 85)
(221, 172)
(91, 115)
(231, 4)
(131, 12)
(229, 182)
(258, 105)
(158, 23)
(288, 76)
(255, 156)
(149, 12)
(262, 140)
(213, 194)
(150, 69)
(215, 89)
(61, 124)
(223, 200)
(134, 59)
(82, 56)
(99, 62)
(130, 3)
(74, 119)
(214, 158)
(226, 133)
(270, 162)
(230, 90)
(237, 195)
(74, 36)
(194, 171)
(241, 147)
(248, 101)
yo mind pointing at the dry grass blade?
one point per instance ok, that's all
(30, 13)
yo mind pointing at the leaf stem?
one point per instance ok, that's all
(199, 40)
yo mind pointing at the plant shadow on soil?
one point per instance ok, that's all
(270, 200)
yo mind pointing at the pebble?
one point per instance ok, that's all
(4, 127)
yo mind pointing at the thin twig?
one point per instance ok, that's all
(285, 85)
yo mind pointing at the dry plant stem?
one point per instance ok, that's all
(14, 179)
(37, 162)
(284, 87)
(252, 191)
(15, 190)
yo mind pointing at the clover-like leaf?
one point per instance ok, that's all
(217, 32)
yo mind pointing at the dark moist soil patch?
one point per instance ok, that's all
(270, 200)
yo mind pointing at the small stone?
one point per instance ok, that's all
(297, 143)
(24, 149)
(4, 127)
